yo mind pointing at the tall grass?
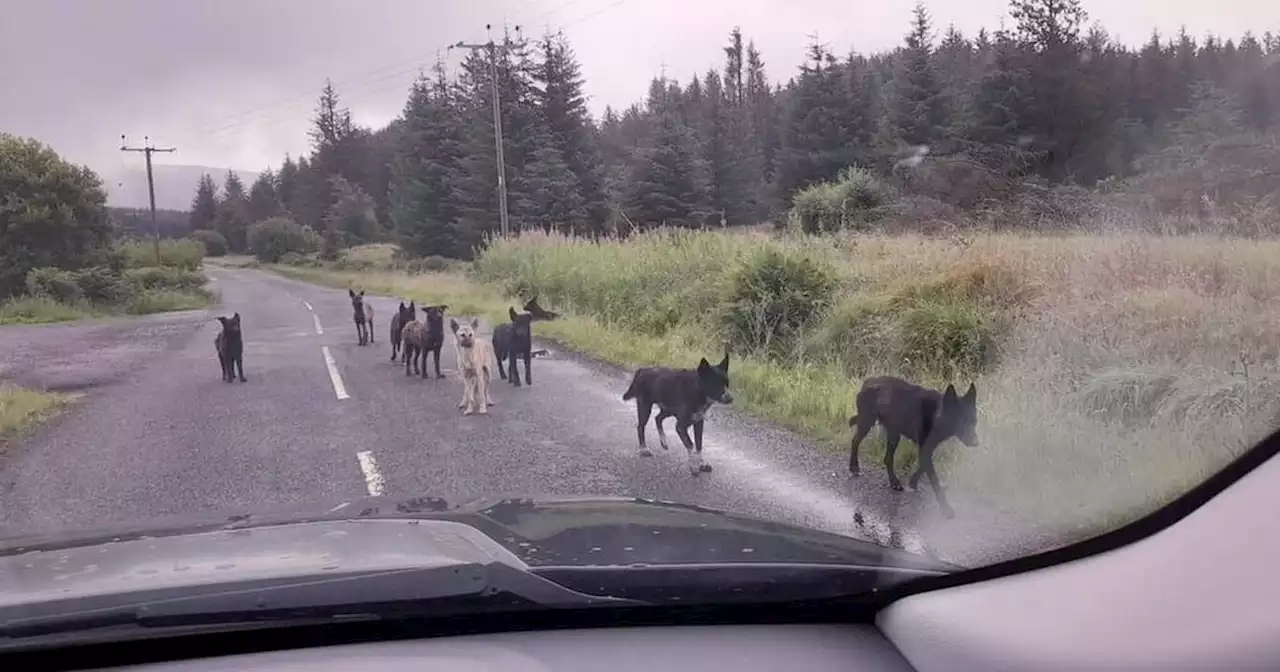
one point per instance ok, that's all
(184, 253)
(1114, 370)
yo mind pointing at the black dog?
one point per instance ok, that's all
(511, 340)
(538, 313)
(685, 393)
(402, 317)
(421, 338)
(925, 416)
(362, 313)
(230, 346)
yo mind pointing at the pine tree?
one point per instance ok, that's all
(232, 220)
(570, 134)
(663, 184)
(918, 111)
(425, 204)
(263, 202)
(204, 207)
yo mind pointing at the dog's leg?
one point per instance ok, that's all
(697, 446)
(222, 365)
(890, 447)
(528, 373)
(407, 356)
(435, 357)
(643, 408)
(502, 373)
(371, 329)
(926, 464)
(512, 373)
(682, 431)
(240, 366)
(483, 400)
(865, 422)
(467, 383)
(662, 435)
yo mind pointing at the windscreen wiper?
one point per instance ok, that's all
(437, 591)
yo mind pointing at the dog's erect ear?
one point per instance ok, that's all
(724, 363)
(402, 305)
(444, 307)
(223, 320)
(410, 305)
(453, 324)
(236, 318)
(949, 397)
(475, 323)
(704, 365)
(971, 397)
(351, 293)
(511, 312)
(362, 293)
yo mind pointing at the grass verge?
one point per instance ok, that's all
(21, 410)
(1114, 371)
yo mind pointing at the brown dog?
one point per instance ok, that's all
(474, 355)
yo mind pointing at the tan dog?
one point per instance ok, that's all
(474, 354)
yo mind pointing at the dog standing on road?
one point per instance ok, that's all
(402, 317)
(925, 416)
(514, 340)
(362, 313)
(230, 346)
(421, 338)
(474, 356)
(686, 394)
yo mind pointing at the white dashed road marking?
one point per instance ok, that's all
(372, 477)
(338, 388)
(316, 319)
(304, 302)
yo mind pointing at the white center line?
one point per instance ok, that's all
(304, 302)
(338, 388)
(316, 319)
(372, 477)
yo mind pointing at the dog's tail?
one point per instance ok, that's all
(853, 421)
(631, 391)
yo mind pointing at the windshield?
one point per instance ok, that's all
(967, 281)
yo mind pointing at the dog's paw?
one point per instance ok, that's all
(462, 404)
(645, 452)
(895, 486)
(704, 468)
(242, 379)
(467, 411)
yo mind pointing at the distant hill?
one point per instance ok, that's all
(175, 185)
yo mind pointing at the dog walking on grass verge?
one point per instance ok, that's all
(927, 417)
(686, 394)
(475, 354)
(230, 346)
(402, 317)
(422, 337)
(362, 313)
(514, 340)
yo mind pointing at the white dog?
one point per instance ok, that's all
(474, 354)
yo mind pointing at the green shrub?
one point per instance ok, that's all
(101, 285)
(271, 239)
(215, 244)
(772, 296)
(298, 259)
(39, 310)
(855, 198)
(55, 283)
(163, 300)
(947, 339)
(164, 277)
(185, 253)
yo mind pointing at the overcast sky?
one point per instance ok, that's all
(231, 83)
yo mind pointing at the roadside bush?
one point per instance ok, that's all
(164, 277)
(55, 283)
(101, 285)
(271, 239)
(297, 259)
(180, 253)
(215, 244)
(855, 199)
(772, 296)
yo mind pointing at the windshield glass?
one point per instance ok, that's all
(964, 280)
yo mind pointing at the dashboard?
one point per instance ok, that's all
(1200, 594)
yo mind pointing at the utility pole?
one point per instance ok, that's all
(148, 150)
(497, 122)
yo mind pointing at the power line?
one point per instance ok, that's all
(148, 150)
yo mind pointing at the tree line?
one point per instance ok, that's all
(951, 121)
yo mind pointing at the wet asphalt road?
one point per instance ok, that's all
(157, 434)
